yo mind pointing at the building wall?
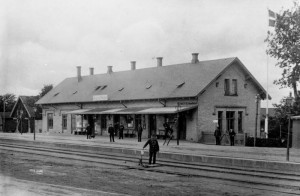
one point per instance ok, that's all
(214, 96)
(64, 108)
(199, 122)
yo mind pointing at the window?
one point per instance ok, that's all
(129, 121)
(230, 87)
(50, 120)
(234, 87)
(220, 114)
(240, 122)
(64, 121)
(230, 120)
(227, 87)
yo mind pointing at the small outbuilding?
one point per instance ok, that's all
(296, 132)
(25, 116)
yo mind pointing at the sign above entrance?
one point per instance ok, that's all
(100, 98)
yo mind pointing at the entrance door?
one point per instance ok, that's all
(138, 121)
(73, 123)
(182, 126)
(116, 123)
(152, 125)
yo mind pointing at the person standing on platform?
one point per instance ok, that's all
(231, 136)
(88, 131)
(153, 148)
(217, 134)
(139, 130)
(111, 132)
(121, 129)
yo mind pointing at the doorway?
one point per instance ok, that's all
(116, 120)
(152, 125)
(182, 126)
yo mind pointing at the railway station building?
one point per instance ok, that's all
(193, 98)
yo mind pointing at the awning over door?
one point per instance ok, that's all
(135, 110)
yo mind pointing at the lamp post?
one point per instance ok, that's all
(178, 131)
(257, 98)
(34, 109)
(288, 102)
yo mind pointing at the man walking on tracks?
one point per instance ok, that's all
(111, 132)
(153, 148)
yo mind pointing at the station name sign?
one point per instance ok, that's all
(187, 103)
(100, 98)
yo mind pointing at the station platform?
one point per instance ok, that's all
(186, 151)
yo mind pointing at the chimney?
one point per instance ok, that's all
(79, 73)
(159, 61)
(109, 69)
(195, 58)
(132, 65)
(91, 71)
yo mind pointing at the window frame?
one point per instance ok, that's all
(50, 120)
(64, 123)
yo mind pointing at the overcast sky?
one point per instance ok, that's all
(42, 41)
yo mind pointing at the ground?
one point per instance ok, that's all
(64, 177)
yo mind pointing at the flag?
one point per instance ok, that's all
(272, 18)
(271, 23)
(271, 14)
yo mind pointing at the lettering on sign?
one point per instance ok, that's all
(100, 98)
(188, 103)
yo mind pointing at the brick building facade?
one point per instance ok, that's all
(190, 97)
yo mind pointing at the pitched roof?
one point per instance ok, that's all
(173, 81)
(28, 103)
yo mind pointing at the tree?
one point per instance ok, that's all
(284, 45)
(10, 100)
(45, 89)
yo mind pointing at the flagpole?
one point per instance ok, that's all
(267, 97)
(271, 14)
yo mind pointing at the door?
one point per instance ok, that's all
(152, 124)
(182, 126)
(116, 123)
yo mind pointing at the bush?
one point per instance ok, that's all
(267, 142)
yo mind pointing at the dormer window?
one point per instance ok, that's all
(121, 89)
(148, 86)
(55, 94)
(104, 87)
(97, 88)
(230, 87)
(180, 84)
(74, 92)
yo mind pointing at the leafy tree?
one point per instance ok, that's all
(45, 89)
(284, 45)
(10, 100)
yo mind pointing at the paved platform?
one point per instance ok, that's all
(255, 157)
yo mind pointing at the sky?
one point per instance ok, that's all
(42, 41)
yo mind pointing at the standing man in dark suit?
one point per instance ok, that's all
(139, 130)
(231, 136)
(121, 129)
(111, 132)
(217, 134)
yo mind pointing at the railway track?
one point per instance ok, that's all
(285, 183)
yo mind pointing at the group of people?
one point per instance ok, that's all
(218, 136)
(113, 130)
